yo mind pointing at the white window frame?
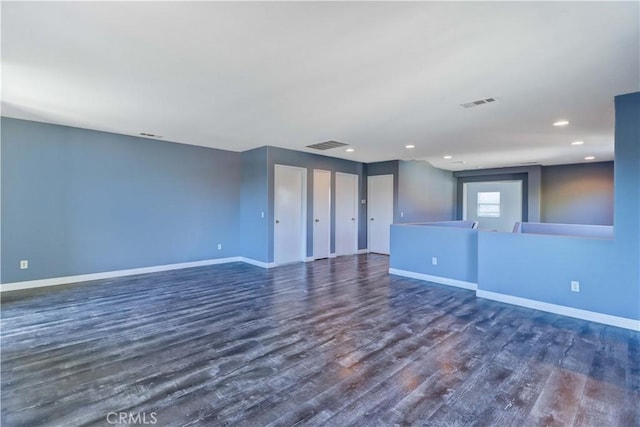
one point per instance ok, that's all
(489, 207)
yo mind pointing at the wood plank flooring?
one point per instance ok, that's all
(334, 342)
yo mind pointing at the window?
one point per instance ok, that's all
(489, 204)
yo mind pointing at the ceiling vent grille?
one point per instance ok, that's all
(327, 145)
(478, 102)
(151, 135)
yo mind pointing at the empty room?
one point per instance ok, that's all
(320, 214)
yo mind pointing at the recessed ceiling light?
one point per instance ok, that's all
(350, 150)
(590, 158)
(561, 123)
(410, 146)
(447, 157)
(577, 143)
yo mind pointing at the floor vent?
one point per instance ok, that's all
(327, 145)
(478, 102)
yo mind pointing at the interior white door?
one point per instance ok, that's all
(379, 212)
(289, 236)
(321, 213)
(346, 213)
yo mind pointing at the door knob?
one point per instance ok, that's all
(353, 219)
(317, 220)
(371, 219)
(277, 221)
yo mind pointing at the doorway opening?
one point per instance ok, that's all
(495, 205)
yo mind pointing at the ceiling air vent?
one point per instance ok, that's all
(327, 145)
(151, 135)
(478, 102)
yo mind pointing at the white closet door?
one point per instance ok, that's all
(379, 212)
(289, 237)
(346, 213)
(321, 213)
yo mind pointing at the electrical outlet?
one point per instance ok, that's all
(434, 260)
(575, 286)
(262, 214)
(219, 246)
(24, 264)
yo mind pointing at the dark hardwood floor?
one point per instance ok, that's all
(334, 342)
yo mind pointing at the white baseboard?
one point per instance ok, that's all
(28, 284)
(332, 255)
(607, 319)
(257, 263)
(436, 279)
(309, 259)
(362, 251)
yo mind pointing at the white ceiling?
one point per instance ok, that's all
(375, 75)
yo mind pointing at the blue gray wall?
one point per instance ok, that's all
(414, 246)
(626, 219)
(541, 267)
(578, 194)
(76, 201)
(425, 193)
(254, 205)
(312, 161)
